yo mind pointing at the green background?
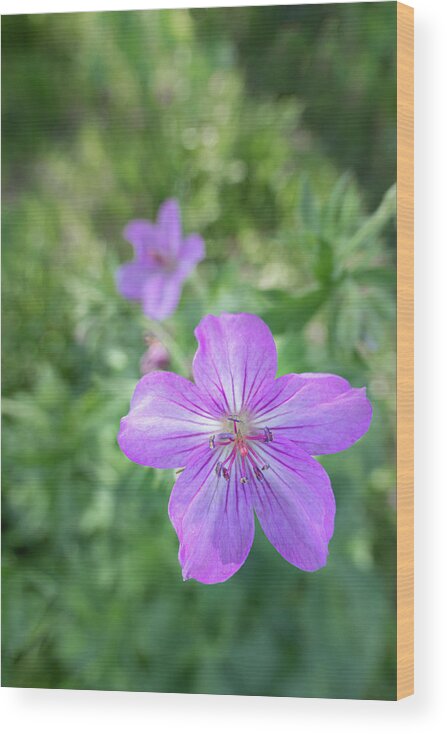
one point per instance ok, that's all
(276, 130)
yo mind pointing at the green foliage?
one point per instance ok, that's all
(119, 111)
(339, 59)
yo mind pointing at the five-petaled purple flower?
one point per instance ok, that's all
(246, 441)
(162, 261)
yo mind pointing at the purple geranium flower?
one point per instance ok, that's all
(246, 441)
(162, 261)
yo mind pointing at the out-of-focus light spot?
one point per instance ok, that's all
(236, 171)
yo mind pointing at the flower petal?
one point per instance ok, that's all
(142, 235)
(213, 519)
(295, 505)
(168, 418)
(161, 294)
(323, 413)
(131, 279)
(191, 252)
(236, 360)
(170, 227)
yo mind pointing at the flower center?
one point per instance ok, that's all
(238, 441)
(165, 261)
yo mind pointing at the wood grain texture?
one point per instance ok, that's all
(405, 349)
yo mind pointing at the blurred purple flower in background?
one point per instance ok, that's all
(163, 259)
(246, 441)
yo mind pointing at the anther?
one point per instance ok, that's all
(268, 435)
(265, 467)
(234, 418)
(226, 473)
(219, 468)
(258, 472)
(244, 480)
(212, 442)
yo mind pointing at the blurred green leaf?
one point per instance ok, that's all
(308, 209)
(374, 224)
(289, 311)
(324, 266)
(380, 277)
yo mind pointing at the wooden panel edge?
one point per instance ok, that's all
(405, 351)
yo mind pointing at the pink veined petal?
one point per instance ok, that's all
(170, 227)
(236, 360)
(131, 279)
(168, 418)
(213, 519)
(161, 294)
(142, 235)
(295, 505)
(321, 412)
(191, 252)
